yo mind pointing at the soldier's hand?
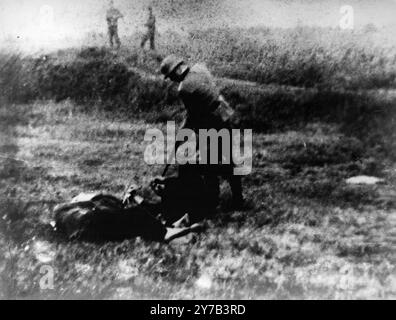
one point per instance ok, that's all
(130, 194)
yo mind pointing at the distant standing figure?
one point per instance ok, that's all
(150, 34)
(112, 16)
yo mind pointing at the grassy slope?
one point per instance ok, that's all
(116, 83)
(302, 56)
(309, 236)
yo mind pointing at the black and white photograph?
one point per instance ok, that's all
(223, 151)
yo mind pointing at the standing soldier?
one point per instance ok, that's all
(150, 34)
(206, 109)
(112, 16)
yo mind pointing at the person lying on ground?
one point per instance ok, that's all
(99, 217)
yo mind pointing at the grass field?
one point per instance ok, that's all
(321, 104)
(310, 235)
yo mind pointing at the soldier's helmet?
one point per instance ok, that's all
(169, 65)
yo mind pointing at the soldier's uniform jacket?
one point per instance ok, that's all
(150, 24)
(200, 97)
(112, 17)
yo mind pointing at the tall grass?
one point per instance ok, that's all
(303, 56)
(330, 72)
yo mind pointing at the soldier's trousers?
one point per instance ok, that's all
(150, 35)
(212, 172)
(113, 36)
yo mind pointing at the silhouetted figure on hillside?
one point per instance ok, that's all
(112, 16)
(150, 34)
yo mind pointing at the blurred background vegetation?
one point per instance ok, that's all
(274, 78)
